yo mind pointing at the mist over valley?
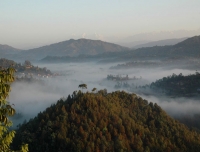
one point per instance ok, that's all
(164, 76)
(30, 98)
(100, 76)
(41, 83)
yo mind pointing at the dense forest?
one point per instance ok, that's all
(191, 120)
(102, 121)
(173, 86)
(178, 85)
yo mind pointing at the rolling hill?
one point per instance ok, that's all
(161, 43)
(189, 48)
(7, 50)
(72, 48)
(102, 121)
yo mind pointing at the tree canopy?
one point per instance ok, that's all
(102, 121)
(6, 110)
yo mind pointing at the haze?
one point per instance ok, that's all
(31, 24)
(32, 98)
(28, 24)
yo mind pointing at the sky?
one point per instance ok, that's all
(26, 24)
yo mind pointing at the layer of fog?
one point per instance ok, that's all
(31, 98)
(176, 107)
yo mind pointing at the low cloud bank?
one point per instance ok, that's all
(31, 98)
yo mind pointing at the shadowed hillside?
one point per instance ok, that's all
(103, 121)
(189, 48)
(178, 85)
(72, 48)
(7, 51)
(161, 43)
(190, 42)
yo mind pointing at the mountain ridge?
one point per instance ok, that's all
(161, 43)
(189, 48)
(73, 48)
(4, 48)
(190, 42)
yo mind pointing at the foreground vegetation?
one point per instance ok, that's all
(102, 121)
(6, 110)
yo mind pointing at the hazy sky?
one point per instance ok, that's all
(25, 24)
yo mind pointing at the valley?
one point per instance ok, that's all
(100, 76)
(170, 82)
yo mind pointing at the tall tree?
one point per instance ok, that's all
(6, 136)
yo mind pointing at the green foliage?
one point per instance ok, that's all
(178, 85)
(6, 136)
(103, 121)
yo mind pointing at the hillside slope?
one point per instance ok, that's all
(161, 43)
(189, 48)
(6, 50)
(178, 85)
(103, 121)
(72, 48)
(190, 42)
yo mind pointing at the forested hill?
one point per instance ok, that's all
(102, 121)
(179, 85)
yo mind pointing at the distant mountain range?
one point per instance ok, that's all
(140, 44)
(187, 48)
(162, 35)
(98, 49)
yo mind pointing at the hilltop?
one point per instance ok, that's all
(76, 50)
(102, 121)
(72, 48)
(6, 50)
